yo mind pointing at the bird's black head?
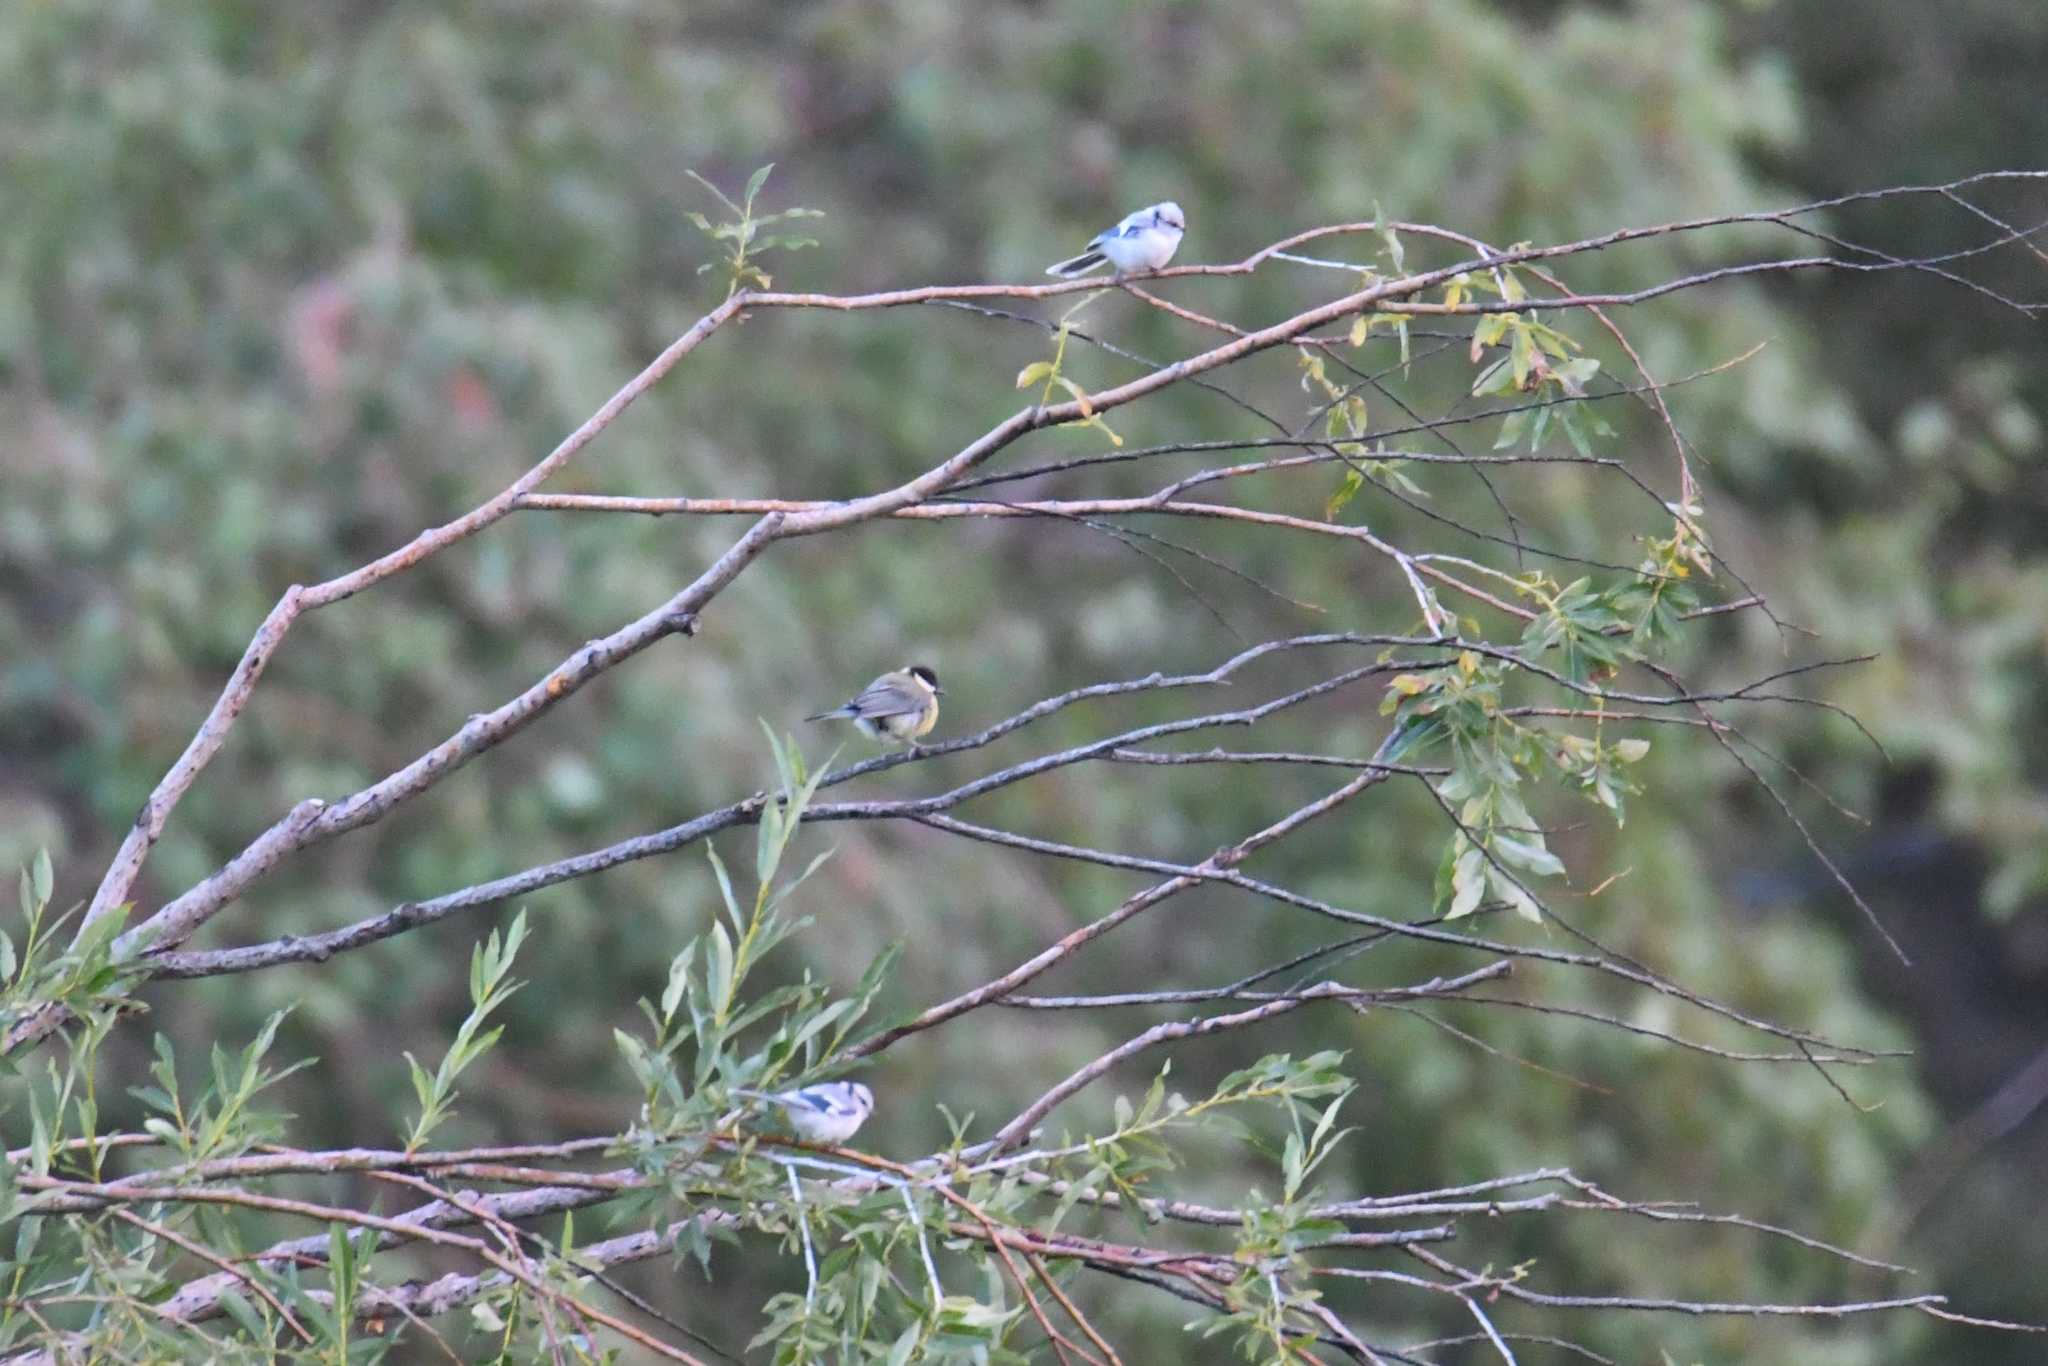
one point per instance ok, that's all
(924, 674)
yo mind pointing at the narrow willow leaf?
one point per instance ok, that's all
(1528, 853)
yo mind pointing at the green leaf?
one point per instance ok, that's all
(1411, 734)
(1468, 882)
(480, 1044)
(1497, 378)
(678, 979)
(757, 180)
(1512, 427)
(732, 905)
(1346, 491)
(1511, 892)
(1317, 1138)
(44, 879)
(720, 194)
(94, 938)
(782, 892)
(635, 1054)
(718, 972)
(1568, 419)
(244, 1314)
(1528, 853)
(27, 1234)
(1577, 372)
(1077, 393)
(422, 1081)
(341, 1267)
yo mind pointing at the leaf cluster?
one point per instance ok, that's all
(745, 236)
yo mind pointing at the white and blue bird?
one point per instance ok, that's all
(830, 1112)
(1144, 241)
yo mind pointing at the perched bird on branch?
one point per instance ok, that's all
(901, 706)
(830, 1112)
(1144, 241)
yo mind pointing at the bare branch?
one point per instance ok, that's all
(313, 821)
(212, 732)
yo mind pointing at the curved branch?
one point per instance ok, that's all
(212, 733)
(314, 821)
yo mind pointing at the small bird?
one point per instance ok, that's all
(1144, 241)
(900, 706)
(829, 1112)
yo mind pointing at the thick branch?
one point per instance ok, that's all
(313, 821)
(212, 733)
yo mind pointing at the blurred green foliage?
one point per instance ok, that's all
(282, 285)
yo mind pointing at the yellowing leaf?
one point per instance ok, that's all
(1079, 394)
(1346, 491)
(1468, 884)
(1033, 373)
(1359, 328)
(1408, 685)
(1468, 663)
(1631, 751)
(1511, 892)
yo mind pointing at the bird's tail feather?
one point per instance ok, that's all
(1078, 265)
(829, 715)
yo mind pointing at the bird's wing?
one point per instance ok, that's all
(888, 699)
(1132, 225)
(1125, 228)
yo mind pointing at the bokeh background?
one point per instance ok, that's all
(282, 284)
